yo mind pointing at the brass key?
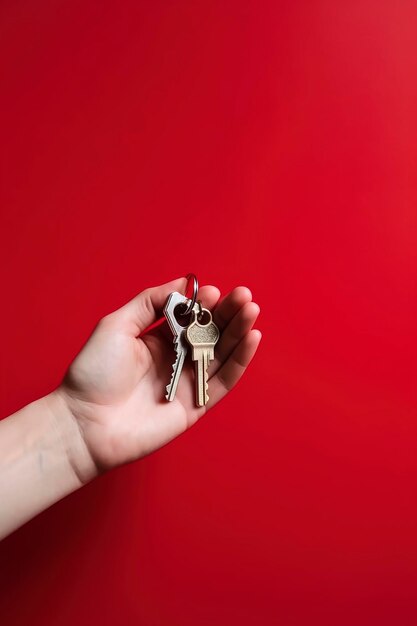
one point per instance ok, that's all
(202, 339)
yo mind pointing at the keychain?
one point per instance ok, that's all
(199, 332)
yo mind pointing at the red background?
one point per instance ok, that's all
(266, 143)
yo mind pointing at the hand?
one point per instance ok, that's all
(115, 388)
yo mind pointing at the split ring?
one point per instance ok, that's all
(195, 292)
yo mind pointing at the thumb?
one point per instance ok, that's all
(145, 308)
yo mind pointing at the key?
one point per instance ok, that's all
(202, 339)
(180, 343)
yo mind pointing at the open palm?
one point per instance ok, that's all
(115, 388)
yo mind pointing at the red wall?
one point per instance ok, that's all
(265, 143)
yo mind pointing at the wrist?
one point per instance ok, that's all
(42, 459)
(70, 436)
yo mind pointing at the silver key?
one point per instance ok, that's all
(180, 343)
(202, 338)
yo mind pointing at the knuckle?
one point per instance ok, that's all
(145, 300)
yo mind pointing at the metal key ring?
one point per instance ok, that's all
(195, 292)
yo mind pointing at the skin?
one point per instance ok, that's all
(110, 408)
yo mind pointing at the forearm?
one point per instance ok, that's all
(40, 448)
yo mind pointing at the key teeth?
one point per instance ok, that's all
(206, 396)
(169, 386)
